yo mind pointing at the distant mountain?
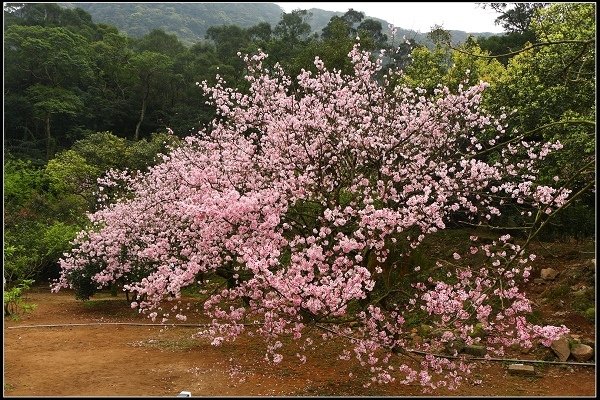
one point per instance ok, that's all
(190, 21)
(320, 18)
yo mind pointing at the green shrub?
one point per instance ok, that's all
(32, 247)
(56, 239)
(590, 314)
(13, 298)
(45, 207)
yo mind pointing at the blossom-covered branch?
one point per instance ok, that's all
(304, 194)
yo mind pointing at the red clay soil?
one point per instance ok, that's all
(114, 360)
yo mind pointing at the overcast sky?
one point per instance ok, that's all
(468, 17)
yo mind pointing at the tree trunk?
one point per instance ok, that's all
(136, 136)
(48, 138)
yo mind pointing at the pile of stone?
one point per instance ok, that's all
(572, 346)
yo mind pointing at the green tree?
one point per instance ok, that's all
(158, 41)
(261, 32)
(291, 42)
(336, 42)
(150, 69)
(336, 28)
(50, 15)
(197, 64)
(47, 73)
(21, 180)
(69, 172)
(51, 101)
(51, 56)
(293, 27)
(339, 35)
(499, 45)
(109, 98)
(371, 35)
(552, 82)
(45, 206)
(228, 40)
(39, 223)
(468, 67)
(551, 86)
(427, 68)
(516, 17)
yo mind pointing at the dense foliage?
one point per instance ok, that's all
(302, 199)
(66, 76)
(45, 206)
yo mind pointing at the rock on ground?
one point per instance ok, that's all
(582, 352)
(477, 351)
(521, 369)
(549, 274)
(561, 348)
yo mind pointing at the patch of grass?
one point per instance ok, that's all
(535, 317)
(558, 293)
(579, 275)
(547, 355)
(193, 291)
(444, 243)
(590, 314)
(583, 299)
(28, 307)
(24, 308)
(201, 291)
(168, 344)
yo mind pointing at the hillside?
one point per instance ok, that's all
(189, 21)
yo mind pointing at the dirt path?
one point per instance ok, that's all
(153, 361)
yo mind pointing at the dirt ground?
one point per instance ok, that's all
(113, 360)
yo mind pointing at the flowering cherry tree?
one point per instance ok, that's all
(305, 195)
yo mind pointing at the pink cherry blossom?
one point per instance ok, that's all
(297, 195)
